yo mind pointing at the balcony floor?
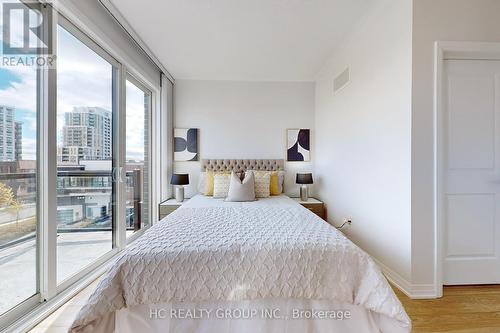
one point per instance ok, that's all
(75, 250)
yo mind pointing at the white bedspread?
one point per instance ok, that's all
(210, 250)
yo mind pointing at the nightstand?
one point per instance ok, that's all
(168, 206)
(314, 205)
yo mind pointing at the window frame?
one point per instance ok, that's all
(116, 77)
(147, 90)
(42, 199)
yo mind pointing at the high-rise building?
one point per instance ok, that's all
(10, 135)
(18, 140)
(86, 135)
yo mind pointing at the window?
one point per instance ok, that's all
(75, 165)
(85, 195)
(18, 184)
(138, 109)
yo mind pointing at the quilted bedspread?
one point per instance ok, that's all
(201, 254)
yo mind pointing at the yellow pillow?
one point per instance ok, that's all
(274, 184)
(209, 184)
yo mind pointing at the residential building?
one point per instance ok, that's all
(18, 140)
(10, 135)
(86, 135)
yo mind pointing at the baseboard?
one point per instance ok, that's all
(395, 278)
(423, 291)
(413, 291)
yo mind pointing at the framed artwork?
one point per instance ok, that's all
(185, 144)
(298, 145)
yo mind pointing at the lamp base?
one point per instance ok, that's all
(179, 194)
(304, 193)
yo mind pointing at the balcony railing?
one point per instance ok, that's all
(86, 191)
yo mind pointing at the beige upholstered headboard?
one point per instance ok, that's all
(241, 165)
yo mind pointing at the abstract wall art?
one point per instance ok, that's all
(298, 145)
(186, 144)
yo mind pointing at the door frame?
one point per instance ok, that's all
(444, 50)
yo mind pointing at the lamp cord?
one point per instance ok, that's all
(347, 221)
(343, 224)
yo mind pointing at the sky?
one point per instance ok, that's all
(83, 79)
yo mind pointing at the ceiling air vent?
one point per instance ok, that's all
(341, 80)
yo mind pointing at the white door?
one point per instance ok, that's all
(471, 171)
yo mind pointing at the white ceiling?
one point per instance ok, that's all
(269, 40)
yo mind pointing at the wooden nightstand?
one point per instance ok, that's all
(168, 206)
(314, 205)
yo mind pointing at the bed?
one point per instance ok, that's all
(264, 266)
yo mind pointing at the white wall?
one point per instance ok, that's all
(363, 135)
(244, 120)
(433, 20)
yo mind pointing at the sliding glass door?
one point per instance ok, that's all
(137, 110)
(85, 147)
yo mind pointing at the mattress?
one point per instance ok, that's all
(268, 254)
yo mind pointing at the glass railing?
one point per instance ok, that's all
(79, 204)
(79, 208)
(18, 223)
(17, 207)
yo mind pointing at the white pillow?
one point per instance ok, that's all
(262, 184)
(202, 182)
(241, 190)
(221, 184)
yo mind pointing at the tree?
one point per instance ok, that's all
(8, 200)
(6, 195)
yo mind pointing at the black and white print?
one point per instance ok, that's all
(298, 145)
(185, 144)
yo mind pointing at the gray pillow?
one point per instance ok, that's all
(241, 190)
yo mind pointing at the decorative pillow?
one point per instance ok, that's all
(209, 183)
(202, 182)
(221, 184)
(274, 184)
(262, 183)
(241, 190)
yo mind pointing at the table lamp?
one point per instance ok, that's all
(304, 179)
(179, 179)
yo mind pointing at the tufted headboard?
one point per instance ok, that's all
(241, 165)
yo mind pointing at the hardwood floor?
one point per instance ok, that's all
(470, 309)
(462, 309)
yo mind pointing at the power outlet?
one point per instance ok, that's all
(348, 220)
